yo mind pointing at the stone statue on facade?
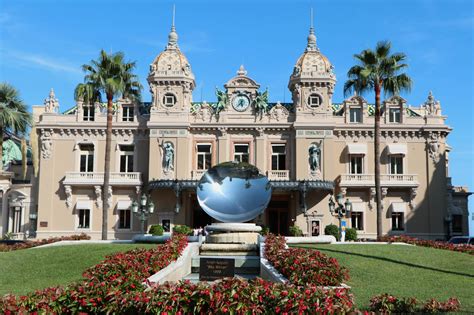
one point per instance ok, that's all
(222, 99)
(314, 159)
(168, 157)
(261, 103)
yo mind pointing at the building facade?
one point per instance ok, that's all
(309, 149)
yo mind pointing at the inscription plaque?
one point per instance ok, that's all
(211, 269)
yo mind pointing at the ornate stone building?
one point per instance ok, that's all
(309, 149)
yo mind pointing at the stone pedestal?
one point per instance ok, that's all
(236, 239)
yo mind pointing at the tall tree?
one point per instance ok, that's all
(112, 77)
(14, 115)
(378, 70)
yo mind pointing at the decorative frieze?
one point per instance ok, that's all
(46, 143)
(68, 192)
(433, 147)
(98, 196)
(413, 193)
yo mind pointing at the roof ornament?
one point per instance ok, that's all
(311, 37)
(242, 71)
(51, 104)
(173, 36)
(432, 106)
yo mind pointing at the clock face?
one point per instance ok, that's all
(240, 102)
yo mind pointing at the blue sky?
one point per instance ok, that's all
(43, 43)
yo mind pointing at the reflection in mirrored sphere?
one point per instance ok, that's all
(234, 192)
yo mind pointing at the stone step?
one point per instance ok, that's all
(194, 277)
(232, 253)
(208, 247)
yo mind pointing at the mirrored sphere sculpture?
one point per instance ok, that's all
(234, 192)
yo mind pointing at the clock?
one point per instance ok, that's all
(240, 102)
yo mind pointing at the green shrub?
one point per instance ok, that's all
(295, 231)
(182, 229)
(333, 230)
(156, 230)
(351, 234)
(265, 230)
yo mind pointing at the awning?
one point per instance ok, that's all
(287, 185)
(398, 206)
(357, 148)
(84, 204)
(397, 148)
(358, 207)
(124, 204)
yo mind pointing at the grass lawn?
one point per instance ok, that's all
(405, 271)
(26, 270)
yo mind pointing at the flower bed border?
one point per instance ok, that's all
(462, 248)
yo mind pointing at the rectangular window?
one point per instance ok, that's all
(124, 218)
(126, 158)
(394, 115)
(278, 157)
(127, 113)
(356, 166)
(86, 163)
(397, 221)
(396, 164)
(84, 218)
(355, 115)
(88, 112)
(16, 219)
(204, 156)
(357, 221)
(457, 223)
(241, 153)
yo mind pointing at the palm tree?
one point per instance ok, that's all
(14, 115)
(378, 70)
(111, 77)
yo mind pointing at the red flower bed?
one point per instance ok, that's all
(126, 271)
(463, 248)
(29, 244)
(386, 304)
(303, 266)
(227, 296)
(107, 282)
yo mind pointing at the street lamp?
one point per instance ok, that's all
(143, 210)
(339, 209)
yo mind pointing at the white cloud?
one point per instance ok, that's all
(34, 60)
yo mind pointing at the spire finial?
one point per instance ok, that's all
(173, 36)
(174, 13)
(242, 71)
(311, 37)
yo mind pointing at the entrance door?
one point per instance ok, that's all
(200, 217)
(278, 217)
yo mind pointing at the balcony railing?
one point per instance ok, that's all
(278, 174)
(97, 178)
(387, 180)
(197, 174)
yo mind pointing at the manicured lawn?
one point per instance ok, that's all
(26, 270)
(405, 271)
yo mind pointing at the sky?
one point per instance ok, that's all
(43, 44)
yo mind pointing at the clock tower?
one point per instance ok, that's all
(312, 81)
(241, 91)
